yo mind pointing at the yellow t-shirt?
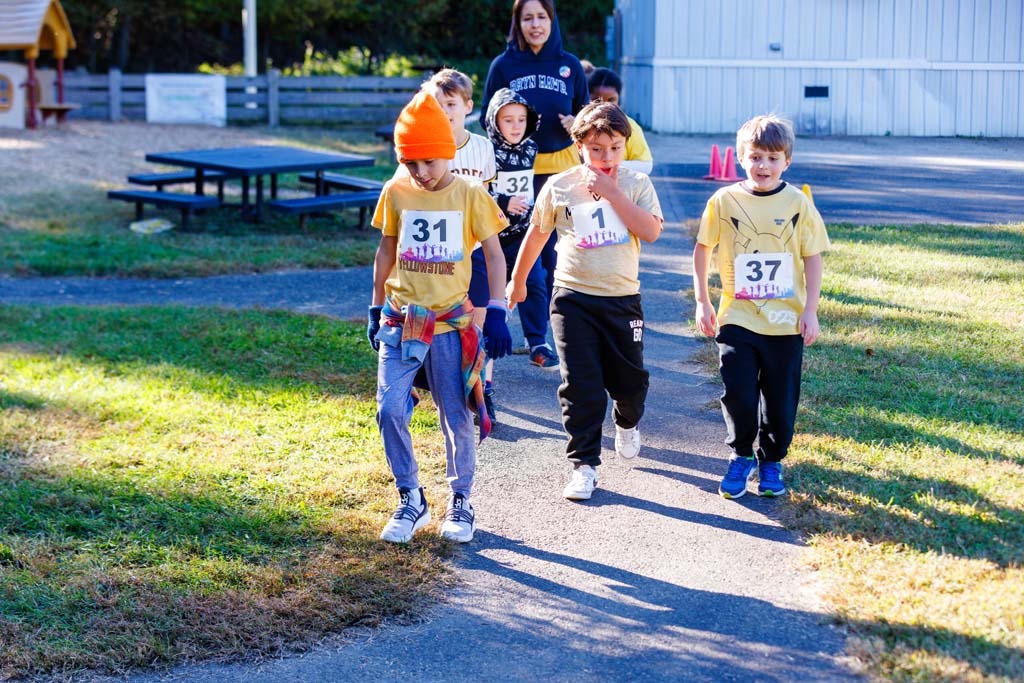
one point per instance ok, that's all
(436, 234)
(548, 163)
(636, 145)
(762, 240)
(596, 253)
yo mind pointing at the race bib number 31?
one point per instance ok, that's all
(516, 184)
(431, 236)
(764, 276)
(597, 225)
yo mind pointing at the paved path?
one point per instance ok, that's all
(656, 579)
(341, 293)
(875, 180)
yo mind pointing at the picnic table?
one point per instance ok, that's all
(256, 162)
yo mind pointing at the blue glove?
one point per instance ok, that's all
(497, 339)
(373, 326)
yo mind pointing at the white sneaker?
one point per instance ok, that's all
(459, 520)
(411, 514)
(582, 483)
(627, 442)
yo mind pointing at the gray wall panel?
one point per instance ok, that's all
(899, 67)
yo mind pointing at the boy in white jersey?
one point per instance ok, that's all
(474, 154)
(601, 210)
(769, 238)
(420, 319)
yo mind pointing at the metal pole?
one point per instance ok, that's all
(249, 30)
(249, 51)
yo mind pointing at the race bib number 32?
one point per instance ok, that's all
(764, 276)
(597, 225)
(516, 184)
(431, 236)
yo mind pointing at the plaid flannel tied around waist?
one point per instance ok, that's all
(416, 325)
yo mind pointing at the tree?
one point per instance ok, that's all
(179, 35)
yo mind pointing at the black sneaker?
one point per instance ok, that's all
(544, 358)
(489, 405)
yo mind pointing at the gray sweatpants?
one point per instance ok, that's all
(443, 365)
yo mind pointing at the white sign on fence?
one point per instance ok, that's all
(186, 98)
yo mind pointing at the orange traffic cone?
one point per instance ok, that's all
(728, 168)
(715, 170)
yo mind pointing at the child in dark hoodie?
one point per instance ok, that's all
(511, 122)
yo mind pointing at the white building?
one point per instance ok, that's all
(835, 67)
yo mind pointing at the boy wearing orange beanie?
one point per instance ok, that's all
(420, 319)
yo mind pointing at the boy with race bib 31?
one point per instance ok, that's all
(421, 320)
(769, 238)
(601, 211)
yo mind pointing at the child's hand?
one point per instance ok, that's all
(514, 293)
(567, 122)
(707, 321)
(809, 328)
(602, 183)
(517, 206)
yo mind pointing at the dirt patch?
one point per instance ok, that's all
(101, 154)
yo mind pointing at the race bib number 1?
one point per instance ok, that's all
(597, 225)
(431, 236)
(764, 276)
(516, 183)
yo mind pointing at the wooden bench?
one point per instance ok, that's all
(325, 202)
(187, 203)
(160, 180)
(59, 111)
(342, 182)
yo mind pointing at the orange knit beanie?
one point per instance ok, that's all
(423, 131)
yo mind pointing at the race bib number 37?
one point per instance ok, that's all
(431, 236)
(516, 184)
(597, 225)
(764, 276)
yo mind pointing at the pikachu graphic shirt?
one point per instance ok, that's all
(762, 239)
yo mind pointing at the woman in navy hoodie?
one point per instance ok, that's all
(552, 81)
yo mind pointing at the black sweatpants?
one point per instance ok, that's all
(600, 341)
(761, 374)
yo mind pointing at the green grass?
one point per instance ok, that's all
(194, 484)
(908, 467)
(80, 232)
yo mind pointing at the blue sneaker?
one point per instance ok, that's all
(734, 485)
(770, 474)
(544, 358)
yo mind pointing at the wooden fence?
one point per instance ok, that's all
(269, 98)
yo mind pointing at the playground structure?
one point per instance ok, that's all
(34, 26)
